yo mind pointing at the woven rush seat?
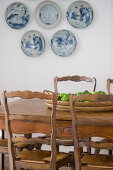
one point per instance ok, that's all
(40, 156)
(98, 160)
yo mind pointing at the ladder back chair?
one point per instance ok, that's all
(74, 78)
(33, 159)
(109, 81)
(4, 147)
(83, 128)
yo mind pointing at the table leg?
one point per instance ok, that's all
(28, 135)
(89, 148)
(2, 155)
(1, 161)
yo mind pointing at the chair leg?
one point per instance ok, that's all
(18, 150)
(97, 151)
(38, 146)
(1, 161)
(2, 155)
(28, 135)
(73, 166)
(57, 148)
(110, 152)
(89, 148)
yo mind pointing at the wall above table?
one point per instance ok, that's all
(92, 57)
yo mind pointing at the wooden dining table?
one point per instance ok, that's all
(40, 111)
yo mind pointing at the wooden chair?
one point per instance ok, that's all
(82, 128)
(109, 81)
(74, 78)
(4, 148)
(34, 159)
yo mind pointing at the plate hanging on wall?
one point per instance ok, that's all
(79, 14)
(63, 43)
(17, 15)
(33, 43)
(48, 14)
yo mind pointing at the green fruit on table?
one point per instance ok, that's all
(86, 101)
(61, 94)
(94, 92)
(101, 92)
(86, 92)
(79, 93)
(58, 97)
(65, 97)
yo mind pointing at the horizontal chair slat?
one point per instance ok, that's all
(26, 94)
(75, 78)
(101, 145)
(94, 97)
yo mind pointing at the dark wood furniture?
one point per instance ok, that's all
(34, 159)
(98, 128)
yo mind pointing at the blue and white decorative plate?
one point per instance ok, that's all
(17, 15)
(48, 14)
(80, 14)
(33, 43)
(63, 43)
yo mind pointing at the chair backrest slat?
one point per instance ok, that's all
(26, 94)
(74, 78)
(9, 117)
(93, 98)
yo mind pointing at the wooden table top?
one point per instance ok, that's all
(35, 107)
(38, 107)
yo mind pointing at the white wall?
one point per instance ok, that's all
(93, 55)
